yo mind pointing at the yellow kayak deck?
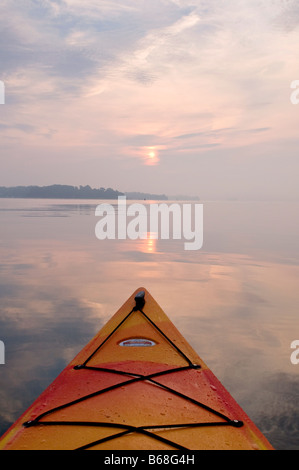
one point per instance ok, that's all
(137, 385)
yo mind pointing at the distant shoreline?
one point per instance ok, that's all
(59, 191)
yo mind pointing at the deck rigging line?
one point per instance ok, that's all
(125, 428)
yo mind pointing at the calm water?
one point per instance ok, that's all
(235, 300)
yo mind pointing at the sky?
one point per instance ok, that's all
(188, 97)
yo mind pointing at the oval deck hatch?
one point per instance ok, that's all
(139, 342)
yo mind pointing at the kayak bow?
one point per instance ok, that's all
(136, 385)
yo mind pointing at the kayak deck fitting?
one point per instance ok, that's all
(137, 385)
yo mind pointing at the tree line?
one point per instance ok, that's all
(62, 191)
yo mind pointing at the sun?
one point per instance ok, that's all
(151, 157)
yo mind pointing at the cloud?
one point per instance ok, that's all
(22, 127)
(288, 17)
(106, 80)
(92, 8)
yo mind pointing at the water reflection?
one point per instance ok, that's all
(236, 301)
(151, 242)
(148, 244)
